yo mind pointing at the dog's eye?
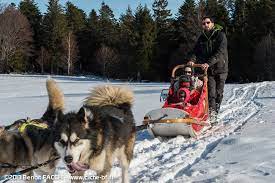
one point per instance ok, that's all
(76, 140)
(62, 142)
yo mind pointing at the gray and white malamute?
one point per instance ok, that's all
(101, 131)
(33, 145)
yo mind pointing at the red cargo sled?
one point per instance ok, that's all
(185, 116)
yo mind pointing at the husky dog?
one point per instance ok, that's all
(101, 131)
(34, 145)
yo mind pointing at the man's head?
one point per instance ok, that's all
(188, 71)
(207, 23)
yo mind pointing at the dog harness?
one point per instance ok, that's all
(30, 122)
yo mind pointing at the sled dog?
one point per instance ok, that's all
(101, 131)
(33, 144)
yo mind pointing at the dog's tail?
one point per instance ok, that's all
(56, 101)
(110, 95)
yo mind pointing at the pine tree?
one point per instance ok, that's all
(217, 9)
(187, 32)
(89, 42)
(93, 20)
(145, 35)
(272, 18)
(187, 24)
(165, 31)
(264, 57)
(30, 9)
(107, 26)
(201, 11)
(260, 26)
(76, 17)
(239, 16)
(77, 25)
(239, 42)
(260, 12)
(127, 42)
(55, 28)
(93, 26)
(162, 16)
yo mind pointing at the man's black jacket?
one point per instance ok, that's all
(211, 48)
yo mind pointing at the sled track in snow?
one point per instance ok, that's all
(167, 161)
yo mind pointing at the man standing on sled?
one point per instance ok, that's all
(211, 51)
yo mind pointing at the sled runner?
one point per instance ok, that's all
(185, 110)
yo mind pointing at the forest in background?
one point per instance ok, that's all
(142, 44)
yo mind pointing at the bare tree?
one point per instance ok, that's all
(15, 36)
(71, 49)
(108, 59)
(43, 59)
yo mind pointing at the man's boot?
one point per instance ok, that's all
(213, 117)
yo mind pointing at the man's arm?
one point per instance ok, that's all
(218, 55)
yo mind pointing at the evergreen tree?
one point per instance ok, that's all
(239, 43)
(272, 18)
(164, 44)
(162, 16)
(187, 32)
(259, 18)
(93, 26)
(145, 35)
(90, 43)
(93, 20)
(201, 10)
(77, 25)
(127, 43)
(76, 18)
(264, 57)
(30, 9)
(55, 28)
(107, 27)
(260, 26)
(217, 9)
(239, 16)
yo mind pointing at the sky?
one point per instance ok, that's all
(118, 6)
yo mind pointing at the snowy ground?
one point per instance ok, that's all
(241, 149)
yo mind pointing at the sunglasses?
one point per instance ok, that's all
(188, 72)
(204, 23)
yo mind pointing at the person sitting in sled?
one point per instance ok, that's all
(188, 80)
(186, 93)
(196, 83)
(186, 89)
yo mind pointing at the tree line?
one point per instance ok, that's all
(145, 43)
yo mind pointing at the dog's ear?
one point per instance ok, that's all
(85, 115)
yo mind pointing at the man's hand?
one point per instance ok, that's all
(205, 66)
(191, 63)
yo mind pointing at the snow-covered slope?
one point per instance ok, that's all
(240, 149)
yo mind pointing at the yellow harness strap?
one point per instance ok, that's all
(30, 122)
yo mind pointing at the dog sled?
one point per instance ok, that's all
(187, 117)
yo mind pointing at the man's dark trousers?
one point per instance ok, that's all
(215, 91)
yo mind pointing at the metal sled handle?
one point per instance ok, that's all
(183, 65)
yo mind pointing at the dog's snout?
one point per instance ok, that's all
(68, 159)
